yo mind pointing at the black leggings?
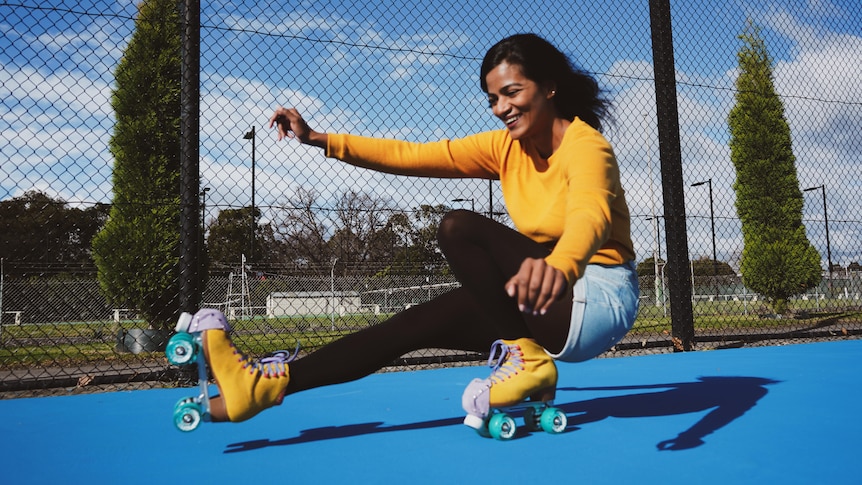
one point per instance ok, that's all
(483, 254)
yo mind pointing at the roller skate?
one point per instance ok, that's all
(523, 379)
(246, 388)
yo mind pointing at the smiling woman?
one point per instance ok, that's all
(562, 286)
(408, 70)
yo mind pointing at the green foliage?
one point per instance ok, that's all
(708, 267)
(424, 238)
(36, 228)
(700, 267)
(780, 266)
(229, 238)
(137, 253)
(647, 266)
(778, 261)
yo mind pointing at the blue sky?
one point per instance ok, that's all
(408, 69)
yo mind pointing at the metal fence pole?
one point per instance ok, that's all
(189, 269)
(682, 318)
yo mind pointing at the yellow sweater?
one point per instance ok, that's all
(574, 198)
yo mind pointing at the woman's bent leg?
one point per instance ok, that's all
(484, 255)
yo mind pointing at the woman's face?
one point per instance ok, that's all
(524, 106)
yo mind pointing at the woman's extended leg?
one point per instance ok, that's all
(484, 255)
(450, 321)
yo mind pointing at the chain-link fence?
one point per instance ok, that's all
(300, 248)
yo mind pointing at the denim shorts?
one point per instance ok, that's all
(603, 311)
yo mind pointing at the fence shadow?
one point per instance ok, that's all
(728, 398)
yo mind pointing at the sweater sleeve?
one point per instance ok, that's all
(592, 184)
(471, 156)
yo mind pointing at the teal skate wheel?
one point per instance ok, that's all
(502, 427)
(187, 415)
(554, 421)
(532, 418)
(181, 349)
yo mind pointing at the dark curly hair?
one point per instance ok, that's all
(577, 92)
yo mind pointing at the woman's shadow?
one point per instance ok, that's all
(727, 397)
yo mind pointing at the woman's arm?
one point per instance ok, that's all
(474, 156)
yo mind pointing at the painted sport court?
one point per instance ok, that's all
(786, 414)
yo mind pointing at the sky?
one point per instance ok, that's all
(408, 69)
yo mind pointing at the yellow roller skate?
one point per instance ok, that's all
(246, 387)
(524, 378)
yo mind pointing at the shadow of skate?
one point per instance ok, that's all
(728, 398)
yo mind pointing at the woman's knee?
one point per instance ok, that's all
(453, 226)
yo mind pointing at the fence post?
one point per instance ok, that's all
(190, 231)
(682, 319)
(2, 270)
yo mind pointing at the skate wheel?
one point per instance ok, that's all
(181, 349)
(501, 427)
(532, 419)
(187, 414)
(554, 421)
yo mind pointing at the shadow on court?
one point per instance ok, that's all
(727, 397)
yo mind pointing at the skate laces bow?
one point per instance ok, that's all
(274, 364)
(507, 363)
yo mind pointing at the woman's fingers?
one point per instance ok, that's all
(536, 286)
(289, 124)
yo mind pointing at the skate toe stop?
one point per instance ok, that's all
(474, 422)
(183, 322)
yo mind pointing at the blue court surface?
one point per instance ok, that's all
(754, 415)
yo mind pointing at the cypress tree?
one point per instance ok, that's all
(778, 261)
(137, 252)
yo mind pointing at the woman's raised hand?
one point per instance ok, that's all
(291, 124)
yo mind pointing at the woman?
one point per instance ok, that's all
(561, 287)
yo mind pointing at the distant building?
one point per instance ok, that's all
(292, 303)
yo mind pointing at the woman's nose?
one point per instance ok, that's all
(501, 107)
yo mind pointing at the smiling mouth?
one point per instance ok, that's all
(511, 120)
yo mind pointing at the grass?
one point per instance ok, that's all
(87, 343)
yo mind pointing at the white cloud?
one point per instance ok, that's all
(55, 129)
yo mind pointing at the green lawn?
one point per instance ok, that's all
(81, 343)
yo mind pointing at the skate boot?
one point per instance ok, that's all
(523, 371)
(245, 387)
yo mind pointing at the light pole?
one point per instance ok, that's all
(490, 199)
(332, 287)
(250, 136)
(653, 217)
(203, 195)
(712, 223)
(471, 201)
(656, 255)
(826, 223)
